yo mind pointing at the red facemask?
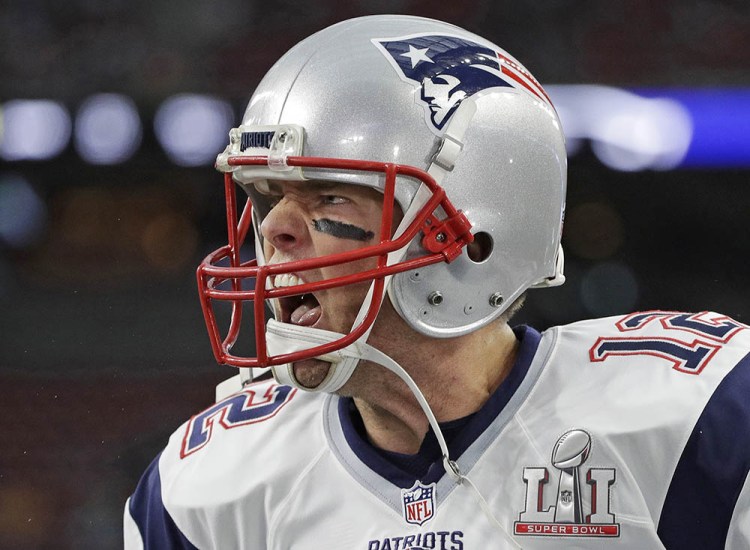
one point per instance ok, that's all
(442, 241)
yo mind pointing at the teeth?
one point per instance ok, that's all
(286, 280)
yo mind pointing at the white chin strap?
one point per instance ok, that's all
(288, 338)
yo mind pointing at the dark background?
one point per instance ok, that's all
(103, 351)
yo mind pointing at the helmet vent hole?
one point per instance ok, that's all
(481, 248)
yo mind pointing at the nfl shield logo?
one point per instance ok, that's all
(418, 503)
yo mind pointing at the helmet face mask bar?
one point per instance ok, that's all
(442, 239)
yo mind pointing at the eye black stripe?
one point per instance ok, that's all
(342, 230)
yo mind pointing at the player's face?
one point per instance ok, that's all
(312, 219)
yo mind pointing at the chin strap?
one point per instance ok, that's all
(376, 356)
(283, 338)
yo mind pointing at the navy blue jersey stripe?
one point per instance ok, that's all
(157, 527)
(712, 469)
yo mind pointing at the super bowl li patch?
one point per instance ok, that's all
(568, 516)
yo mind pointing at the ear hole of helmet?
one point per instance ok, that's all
(481, 248)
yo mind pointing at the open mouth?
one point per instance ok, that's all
(302, 310)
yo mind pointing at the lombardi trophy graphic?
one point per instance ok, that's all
(570, 452)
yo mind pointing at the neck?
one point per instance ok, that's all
(456, 376)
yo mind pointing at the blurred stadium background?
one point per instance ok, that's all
(113, 111)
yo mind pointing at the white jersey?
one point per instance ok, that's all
(626, 432)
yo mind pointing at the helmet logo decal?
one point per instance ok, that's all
(448, 69)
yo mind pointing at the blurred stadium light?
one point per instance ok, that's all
(23, 214)
(34, 129)
(721, 125)
(193, 129)
(627, 132)
(107, 129)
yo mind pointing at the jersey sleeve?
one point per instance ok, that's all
(711, 476)
(226, 472)
(738, 537)
(147, 524)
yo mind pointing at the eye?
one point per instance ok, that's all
(334, 199)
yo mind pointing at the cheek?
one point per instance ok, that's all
(349, 268)
(341, 305)
(327, 245)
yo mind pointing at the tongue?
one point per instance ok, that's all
(307, 313)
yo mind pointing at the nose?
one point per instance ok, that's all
(285, 226)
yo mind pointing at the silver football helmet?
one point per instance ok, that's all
(442, 121)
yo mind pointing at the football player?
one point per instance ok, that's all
(406, 186)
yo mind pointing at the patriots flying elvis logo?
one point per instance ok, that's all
(448, 69)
